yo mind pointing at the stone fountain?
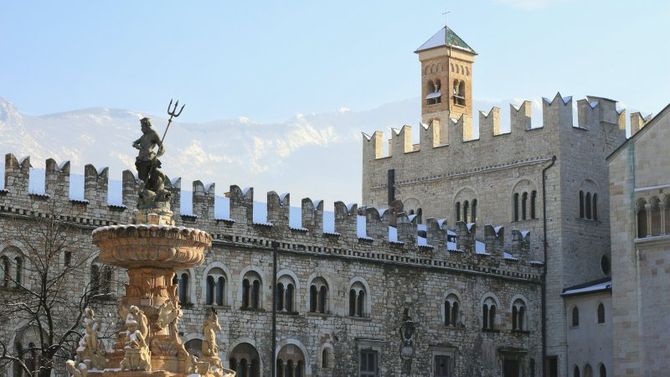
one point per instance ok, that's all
(151, 250)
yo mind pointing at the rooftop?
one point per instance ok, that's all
(600, 285)
(445, 37)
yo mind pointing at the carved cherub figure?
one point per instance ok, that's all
(91, 350)
(137, 355)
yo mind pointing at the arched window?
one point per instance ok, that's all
(575, 372)
(518, 315)
(6, 272)
(466, 208)
(95, 278)
(256, 294)
(281, 294)
(209, 297)
(19, 271)
(655, 217)
(515, 206)
(524, 205)
(603, 370)
(451, 311)
(244, 360)
(313, 298)
(292, 360)
(489, 314)
(358, 300)
(327, 358)
(290, 294)
(434, 95)
(459, 92)
(595, 206)
(641, 219)
(581, 204)
(285, 293)
(182, 281)
(588, 372)
(533, 200)
(419, 216)
(474, 210)
(601, 313)
(67, 258)
(251, 291)
(458, 211)
(575, 316)
(587, 205)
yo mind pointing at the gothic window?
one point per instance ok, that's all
(575, 317)
(575, 372)
(6, 271)
(581, 204)
(518, 315)
(641, 218)
(603, 370)
(358, 300)
(466, 208)
(369, 363)
(595, 206)
(587, 205)
(458, 211)
(95, 278)
(601, 313)
(524, 205)
(533, 200)
(515, 204)
(244, 360)
(67, 258)
(251, 291)
(489, 314)
(451, 311)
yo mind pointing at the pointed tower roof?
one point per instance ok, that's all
(447, 38)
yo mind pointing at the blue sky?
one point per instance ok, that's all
(272, 59)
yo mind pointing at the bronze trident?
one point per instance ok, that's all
(173, 113)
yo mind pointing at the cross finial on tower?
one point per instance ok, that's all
(445, 13)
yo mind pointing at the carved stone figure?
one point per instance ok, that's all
(152, 192)
(137, 355)
(91, 351)
(210, 350)
(407, 332)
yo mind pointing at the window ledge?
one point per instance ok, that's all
(319, 314)
(459, 327)
(521, 332)
(214, 306)
(491, 331)
(252, 310)
(284, 312)
(366, 319)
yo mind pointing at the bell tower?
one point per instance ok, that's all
(446, 82)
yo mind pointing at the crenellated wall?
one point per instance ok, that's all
(348, 232)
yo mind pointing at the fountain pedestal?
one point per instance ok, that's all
(151, 252)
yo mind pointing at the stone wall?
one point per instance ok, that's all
(410, 272)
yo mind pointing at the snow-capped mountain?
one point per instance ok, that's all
(315, 155)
